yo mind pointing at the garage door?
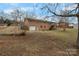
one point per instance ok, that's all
(32, 28)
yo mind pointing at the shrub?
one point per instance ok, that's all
(24, 28)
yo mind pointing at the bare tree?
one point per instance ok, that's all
(52, 8)
(30, 15)
(63, 20)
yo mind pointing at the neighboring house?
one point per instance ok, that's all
(67, 25)
(63, 24)
(35, 24)
(71, 25)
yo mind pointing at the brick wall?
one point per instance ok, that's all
(40, 25)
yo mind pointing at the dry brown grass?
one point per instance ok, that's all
(39, 43)
(10, 30)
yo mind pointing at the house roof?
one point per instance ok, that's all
(39, 20)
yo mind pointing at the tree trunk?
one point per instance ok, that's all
(64, 29)
(78, 27)
(78, 38)
(78, 34)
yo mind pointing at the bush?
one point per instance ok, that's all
(24, 28)
(23, 33)
(8, 24)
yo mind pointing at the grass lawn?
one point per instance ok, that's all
(54, 42)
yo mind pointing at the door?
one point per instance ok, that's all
(32, 28)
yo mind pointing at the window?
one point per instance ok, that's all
(44, 26)
(41, 26)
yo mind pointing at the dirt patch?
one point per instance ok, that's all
(34, 43)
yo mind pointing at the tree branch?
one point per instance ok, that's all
(65, 15)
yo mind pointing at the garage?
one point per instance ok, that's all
(32, 28)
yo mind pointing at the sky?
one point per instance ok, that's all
(8, 8)
(24, 6)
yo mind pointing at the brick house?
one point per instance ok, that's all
(35, 24)
(63, 24)
(71, 25)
